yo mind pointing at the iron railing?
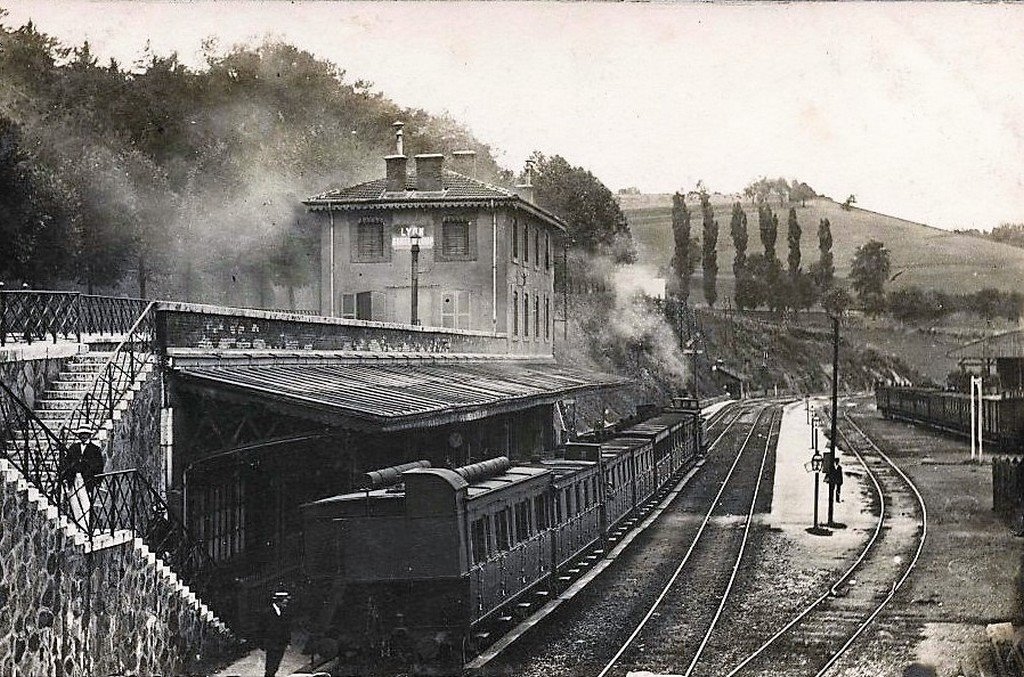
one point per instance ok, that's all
(118, 501)
(115, 377)
(125, 501)
(33, 315)
(30, 445)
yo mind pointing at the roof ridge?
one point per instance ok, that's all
(485, 184)
(327, 193)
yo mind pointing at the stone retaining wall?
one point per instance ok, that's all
(134, 441)
(30, 372)
(65, 612)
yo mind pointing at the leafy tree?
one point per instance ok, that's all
(710, 250)
(850, 201)
(836, 300)
(681, 259)
(868, 274)
(1009, 233)
(798, 190)
(596, 223)
(34, 230)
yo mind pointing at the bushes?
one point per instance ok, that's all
(911, 304)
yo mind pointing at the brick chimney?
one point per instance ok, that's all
(396, 164)
(428, 172)
(465, 162)
(525, 189)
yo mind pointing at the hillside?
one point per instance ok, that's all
(929, 257)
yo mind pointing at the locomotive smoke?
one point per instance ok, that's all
(631, 326)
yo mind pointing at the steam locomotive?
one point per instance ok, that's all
(422, 558)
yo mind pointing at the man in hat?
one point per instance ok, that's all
(276, 632)
(837, 480)
(79, 469)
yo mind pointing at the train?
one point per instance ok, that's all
(1002, 415)
(416, 565)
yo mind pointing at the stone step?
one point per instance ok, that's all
(52, 405)
(74, 394)
(69, 386)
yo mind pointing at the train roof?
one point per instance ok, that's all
(517, 474)
(658, 426)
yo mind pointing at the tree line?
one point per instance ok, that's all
(154, 178)
(762, 279)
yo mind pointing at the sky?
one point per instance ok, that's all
(916, 109)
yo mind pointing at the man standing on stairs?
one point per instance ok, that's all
(276, 632)
(78, 471)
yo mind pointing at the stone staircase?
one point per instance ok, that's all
(64, 395)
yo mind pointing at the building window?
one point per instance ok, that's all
(536, 248)
(515, 313)
(547, 252)
(357, 306)
(458, 241)
(515, 239)
(368, 243)
(526, 243)
(547, 317)
(526, 314)
(536, 316)
(455, 312)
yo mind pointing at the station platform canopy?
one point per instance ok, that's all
(1008, 345)
(388, 395)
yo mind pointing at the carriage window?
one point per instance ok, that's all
(540, 516)
(480, 536)
(522, 521)
(503, 532)
(579, 497)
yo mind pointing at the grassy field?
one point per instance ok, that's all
(927, 256)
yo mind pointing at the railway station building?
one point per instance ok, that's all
(485, 261)
(998, 359)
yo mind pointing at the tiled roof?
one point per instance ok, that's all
(455, 186)
(395, 397)
(457, 190)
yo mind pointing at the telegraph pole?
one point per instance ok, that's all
(830, 457)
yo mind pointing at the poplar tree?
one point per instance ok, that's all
(824, 271)
(709, 259)
(681, 262)
(793, 237)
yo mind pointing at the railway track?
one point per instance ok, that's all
(674, 632)
(823, 637)
(577, 640)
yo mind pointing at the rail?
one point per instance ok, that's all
(116, 376)
(33, 315)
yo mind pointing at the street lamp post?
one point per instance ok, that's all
(816, 467)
